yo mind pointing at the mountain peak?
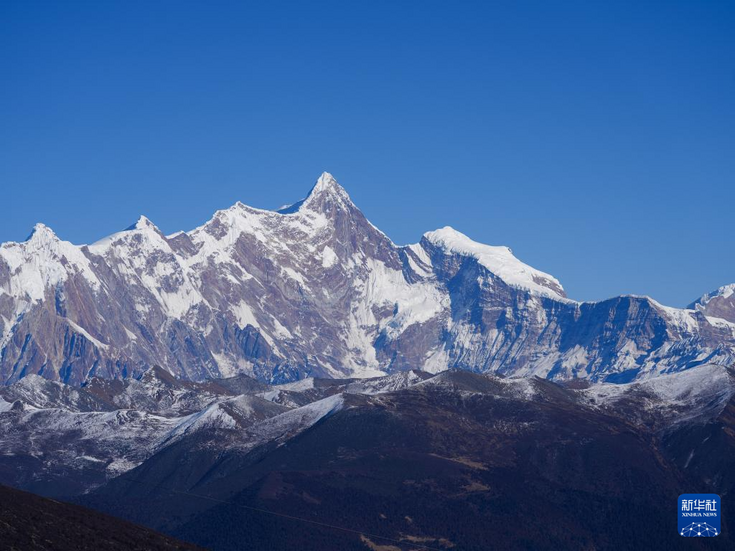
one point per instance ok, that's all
(326, 184)
(327, 192)
(499, 260)
(41, 232)
(142, 223)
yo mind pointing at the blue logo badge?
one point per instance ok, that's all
(699, 515)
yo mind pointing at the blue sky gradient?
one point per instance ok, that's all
(596, 139)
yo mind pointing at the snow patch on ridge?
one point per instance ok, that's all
(85, 334)
(329, 258)
(244, 315)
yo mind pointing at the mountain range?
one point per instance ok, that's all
(293, 379)
(315, 290)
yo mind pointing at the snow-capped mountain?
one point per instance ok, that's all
(316, 289)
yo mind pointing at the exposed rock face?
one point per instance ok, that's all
(315, 289)
(719, 304)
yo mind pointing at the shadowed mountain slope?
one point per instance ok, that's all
(449, 462)
(32, 523)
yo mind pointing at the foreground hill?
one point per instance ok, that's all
(447, 462)
(404, 461)
(32, 523)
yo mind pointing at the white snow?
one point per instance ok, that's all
(419, 251)
(437, 360)
(700, 383)
(329, 257)
(388, 383)
(325, 185)
(412, 303)
(499, 260)
(575, 358)
(100, 247)
(296, 420)
(244, 315)
(721, 323)
(379, 286)
(293, 274)
(85, 334)
(298, 386)
(210, 417)
(423, 257)
(144, 256)
(726, 291)
(126, 437)
(225, 365)
(41, 262)
(279, 331)
(681, 318)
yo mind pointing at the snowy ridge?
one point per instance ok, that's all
(674, 387)
(699, 393)
(41, 262)
(500, 261)
(65, 425)
(296, 420)
(389, 383)
(726, 291)
(718, 305)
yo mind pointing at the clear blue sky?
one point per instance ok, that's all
(596, 139)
